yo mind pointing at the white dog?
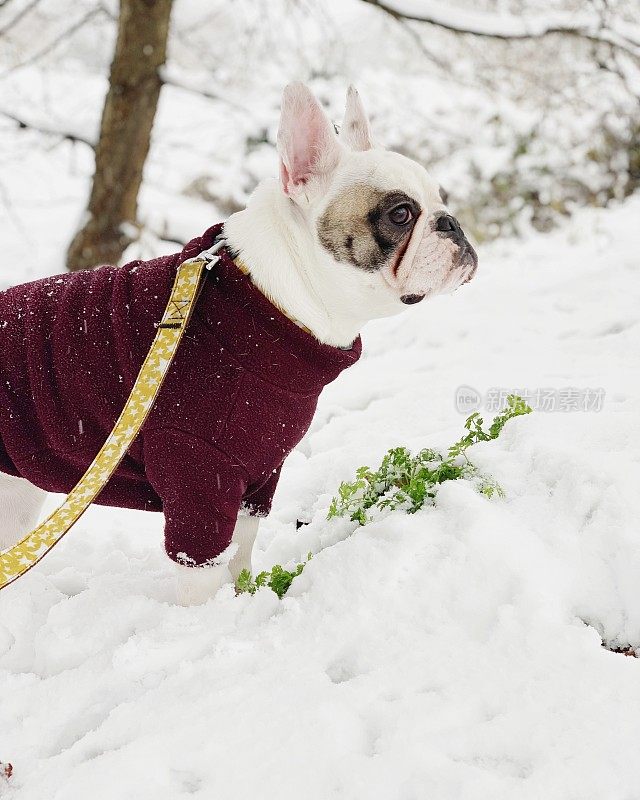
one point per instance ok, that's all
(349, 233)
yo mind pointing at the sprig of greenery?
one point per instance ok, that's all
(277, 579)
(407, 481)
(516, 407)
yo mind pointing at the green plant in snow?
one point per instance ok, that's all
(406, 481)
(516, 407)
(277, 579)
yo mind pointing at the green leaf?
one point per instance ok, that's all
(245, 583)
(278, 579)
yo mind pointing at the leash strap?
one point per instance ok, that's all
(16, 560)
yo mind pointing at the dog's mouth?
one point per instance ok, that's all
(407, 299)
(412, 299)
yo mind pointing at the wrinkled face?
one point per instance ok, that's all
(372, 212)
(386, 216)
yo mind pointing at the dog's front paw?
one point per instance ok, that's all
(196, 585)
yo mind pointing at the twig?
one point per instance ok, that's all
(66, 34)
(66, 135)
(171, 239)
(516, 29)
(417, 40)
(170, 80)
(20, 15)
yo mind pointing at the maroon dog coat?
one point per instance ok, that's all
(238, 397)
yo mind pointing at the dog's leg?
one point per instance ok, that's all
(20, 506)
(196, 585)
(244, 535)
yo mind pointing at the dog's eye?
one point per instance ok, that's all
(401, 215)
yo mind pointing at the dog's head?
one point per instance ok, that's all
(370, 210)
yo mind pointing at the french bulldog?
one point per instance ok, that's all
(350, 232)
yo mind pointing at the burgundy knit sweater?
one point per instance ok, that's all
(238, 397)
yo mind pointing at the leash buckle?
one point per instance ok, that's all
(209, 256)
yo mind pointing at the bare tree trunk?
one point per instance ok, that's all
(125, 133)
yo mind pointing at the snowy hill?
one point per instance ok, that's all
(454, 654)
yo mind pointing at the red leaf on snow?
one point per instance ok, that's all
(6, 770)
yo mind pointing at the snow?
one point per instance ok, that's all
(456, 653)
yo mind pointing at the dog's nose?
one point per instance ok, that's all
(410, 299)
(448, 224)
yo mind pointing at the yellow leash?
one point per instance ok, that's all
(16, 560)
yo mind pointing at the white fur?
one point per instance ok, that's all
(244, 535)
(20, 506)
(282, 254)
(355, 131)
(196, 585)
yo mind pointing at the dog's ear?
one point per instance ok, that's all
(307, 143)
(355, 131)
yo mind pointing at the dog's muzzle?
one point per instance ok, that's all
(438, 258)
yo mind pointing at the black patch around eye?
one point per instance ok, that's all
(356, 228)
(386, 234)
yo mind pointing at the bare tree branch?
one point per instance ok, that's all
(66, 34)
(47, 131)
(170, 239)
(403, 22)
(20, 15)
(503, 27)
(169, 79)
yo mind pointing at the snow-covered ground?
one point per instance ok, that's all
(456, 654)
